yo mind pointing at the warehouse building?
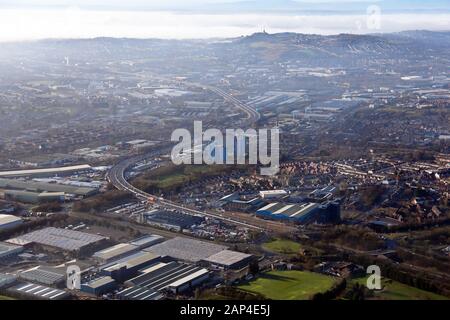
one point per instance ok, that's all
(173, 276)
(328, 212)
(62, 239)
(8, 221)
(34, 197)
(44, 275)
(186, 249)
(7, 280)
(281, 211)
(41, 187)
(323, 194)
(139, 293)
(272, 194)
(128, 267)
(36, 291)
(49, 172)
(8, 251)
(228, 259)
(99, 286)
(248, 205)
(172, 219)
(147, 241)
(115, 252)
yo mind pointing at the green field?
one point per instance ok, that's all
(6, 298)
(393, 290)
(289, 285)
(282, 246)
(170, 177)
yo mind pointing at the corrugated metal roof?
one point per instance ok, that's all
(42, 186)
(16, 173)
(6, 219)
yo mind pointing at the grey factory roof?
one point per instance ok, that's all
(115, 251)
(18, 173)
(7, 219)
(99, 282)
(192, 276)
(227, 257)
(6, 279)
(42, 186)
(6, 247)
(147, 241)
(165, 275)
(60, 238)
(289, 210)
(44, 275)
(139, 293)
(186, 249)
(130, 261)
(38, 291)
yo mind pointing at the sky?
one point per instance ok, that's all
(181, 19)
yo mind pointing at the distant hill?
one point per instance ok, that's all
(342, 49)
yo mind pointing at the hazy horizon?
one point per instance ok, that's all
(200, 19)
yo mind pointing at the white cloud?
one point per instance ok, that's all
(75, 23)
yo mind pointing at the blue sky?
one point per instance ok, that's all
(179, 19)
(398, 5)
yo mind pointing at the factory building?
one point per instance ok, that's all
(173, 276)
(228, 259)
(7, 280)
(99, 286)
(147, 241)
(115, 252)
(248, 205)
(37, 291)
(128, 267)
(171, 219)
(186, 249)
(272, 194)
(8, 251)
(34, 197)
(48, 172)
(281, 211)
(44, 275)
(237, 202)
(139, 293)
(8, 221)
(41, 187)
(60, 239)
(328, 212)
(321, 195)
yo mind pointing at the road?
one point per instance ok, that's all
(116, 175)
(252, 115)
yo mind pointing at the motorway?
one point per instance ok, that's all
(116, 175)
(252, 115)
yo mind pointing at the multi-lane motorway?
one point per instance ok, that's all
(116, 175)
(252, 115)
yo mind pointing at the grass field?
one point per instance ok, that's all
(289, 285)
(282, 246)
(170, 177)
(393, 290)
(6, 298)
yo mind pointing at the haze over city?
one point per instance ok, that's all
(31, 20)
